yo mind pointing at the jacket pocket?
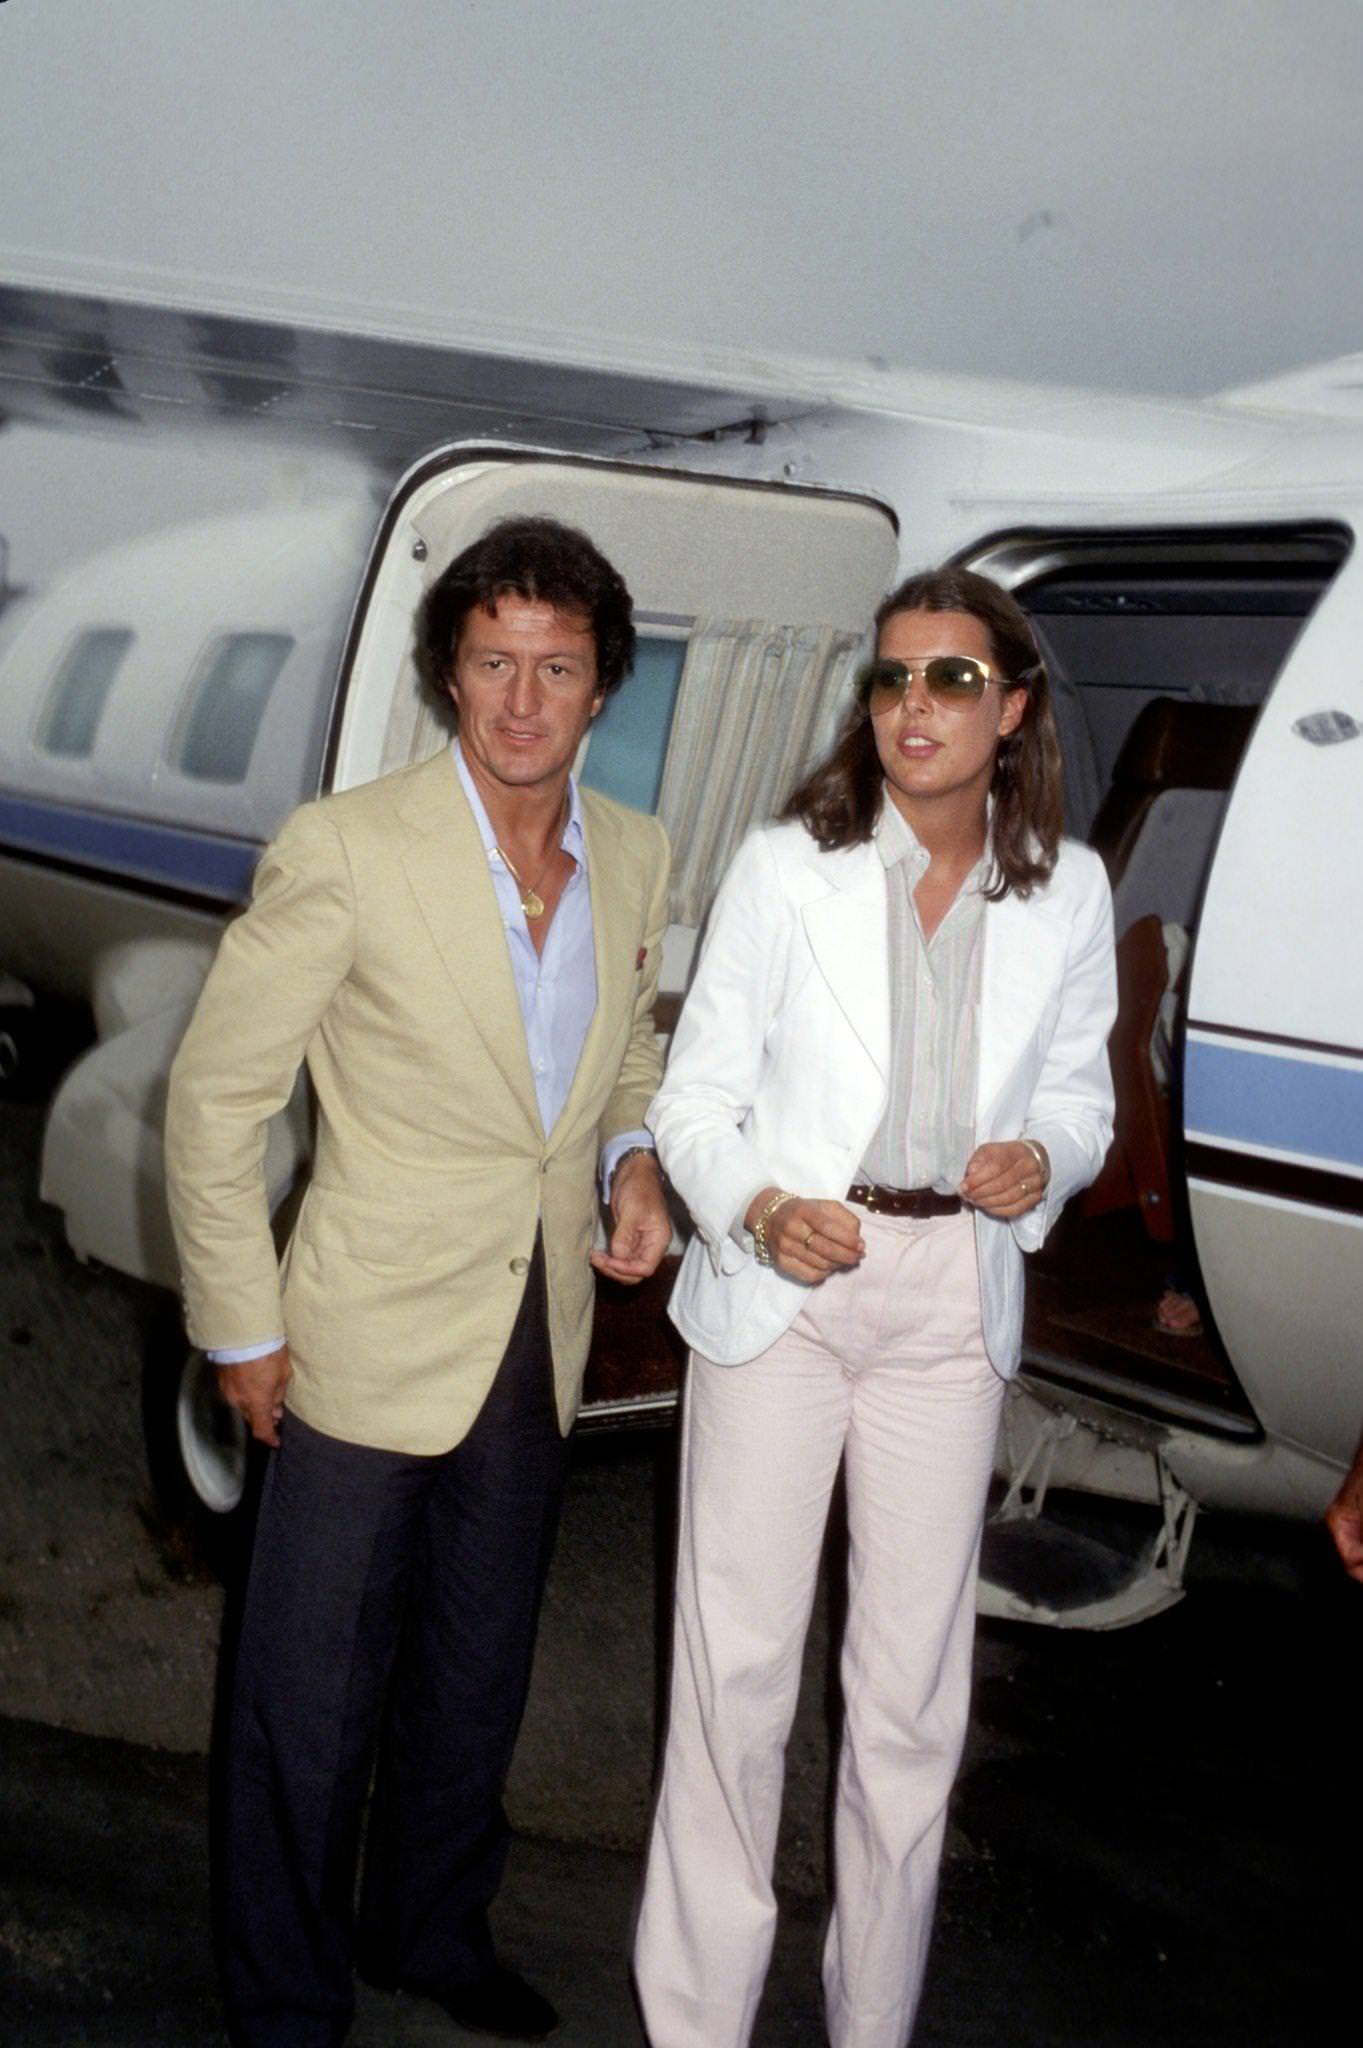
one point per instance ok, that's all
(382, 1234)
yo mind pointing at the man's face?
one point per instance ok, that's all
(524, 684)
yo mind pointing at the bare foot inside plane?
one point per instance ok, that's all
(1177, 1314)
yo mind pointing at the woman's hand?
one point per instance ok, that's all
(1004, 1180)
(808, 1240)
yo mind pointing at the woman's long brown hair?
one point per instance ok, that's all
(839, 802)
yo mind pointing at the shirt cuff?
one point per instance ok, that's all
(611, 1155)
(738, 1229)
(240, 1354)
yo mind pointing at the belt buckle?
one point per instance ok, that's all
(870, 1201)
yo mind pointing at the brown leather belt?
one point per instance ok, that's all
(917, 1202)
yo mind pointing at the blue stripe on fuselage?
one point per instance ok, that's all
(202, 863)
(1309, 1108)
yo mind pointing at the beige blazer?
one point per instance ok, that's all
(373, 948)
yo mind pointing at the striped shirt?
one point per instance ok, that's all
(927, 1132)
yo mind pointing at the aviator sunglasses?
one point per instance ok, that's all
(951, 678)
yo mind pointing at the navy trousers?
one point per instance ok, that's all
(393, 1592)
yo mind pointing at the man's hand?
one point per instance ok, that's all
(255, 1388)
(1344, 1518)
(809, 1239)
(643, 1228)
(1004, 1180)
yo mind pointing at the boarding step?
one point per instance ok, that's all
(1068, 1559)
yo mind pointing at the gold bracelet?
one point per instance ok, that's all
(1042, 1158)
(764, 1216)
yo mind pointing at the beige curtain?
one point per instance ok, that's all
(757, 706)
(417, 725)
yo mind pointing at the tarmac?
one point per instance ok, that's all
(1154, 1838)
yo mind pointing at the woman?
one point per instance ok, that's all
(889, 1075)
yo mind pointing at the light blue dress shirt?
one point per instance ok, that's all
(556, 989)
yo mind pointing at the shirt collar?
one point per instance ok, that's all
(573, 842)
(896, 841)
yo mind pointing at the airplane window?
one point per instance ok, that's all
(629, 739)
(80, 691)
(223, 718)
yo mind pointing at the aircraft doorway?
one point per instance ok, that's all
(751, 602)
(1161, 650)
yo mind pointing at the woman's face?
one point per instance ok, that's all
(934, 752)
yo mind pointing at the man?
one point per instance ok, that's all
(466, 953)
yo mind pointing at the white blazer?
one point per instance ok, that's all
(777, 1075)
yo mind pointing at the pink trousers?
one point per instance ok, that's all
(886, 1368)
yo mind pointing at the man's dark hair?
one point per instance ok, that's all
(840, 801)
(538, 559)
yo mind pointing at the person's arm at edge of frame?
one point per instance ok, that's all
(1344, 1517)
(277, 968)
(641, 1226)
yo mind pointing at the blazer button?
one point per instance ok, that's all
(519, 1266)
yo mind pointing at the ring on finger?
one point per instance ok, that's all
(809, 1232)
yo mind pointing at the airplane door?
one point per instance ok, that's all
(1273, 1084)
(751, 602)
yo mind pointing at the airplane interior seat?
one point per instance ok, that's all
(1157, 825)
(1083, 789)
(1169, 861)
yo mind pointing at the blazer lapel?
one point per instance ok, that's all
(1024, 952)
(615, 923)
(446, 864)
(846, 930)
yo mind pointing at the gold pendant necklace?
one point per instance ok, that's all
(532, 903)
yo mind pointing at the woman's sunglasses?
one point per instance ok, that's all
(950, 678)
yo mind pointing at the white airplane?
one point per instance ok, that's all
(167, 697)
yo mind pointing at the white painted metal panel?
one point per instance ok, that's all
(1280, 947)
(1286, 1280)
(1273, 1081)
